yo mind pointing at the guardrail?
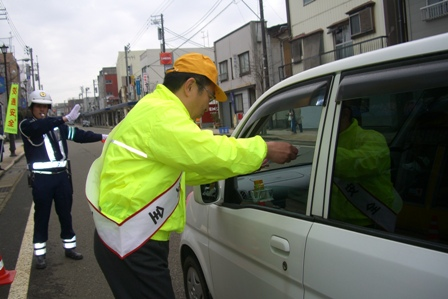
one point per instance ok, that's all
(434, 11)
(290, 69)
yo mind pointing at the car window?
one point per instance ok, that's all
(292, 115)
(391, 161)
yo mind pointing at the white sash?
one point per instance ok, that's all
(368, 204)
(133, 232)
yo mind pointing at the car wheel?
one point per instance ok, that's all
(194, 281)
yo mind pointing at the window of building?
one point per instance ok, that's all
(305, 2)
(342, 42)
(361, 22)
(238, 98)
(296, 50)
(223, 71)
(244, 63)
(108, 81)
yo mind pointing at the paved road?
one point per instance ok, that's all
(63, 278)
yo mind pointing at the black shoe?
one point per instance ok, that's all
(72, 254)
(41, 263)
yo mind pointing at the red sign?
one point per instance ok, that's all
(166, 58)
(207, 117)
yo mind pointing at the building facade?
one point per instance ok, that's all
(324, 31)
(152, 70)
(426, 18)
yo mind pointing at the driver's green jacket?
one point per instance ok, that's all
(162, 142)
(363, 158)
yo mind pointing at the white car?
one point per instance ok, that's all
(298, 238)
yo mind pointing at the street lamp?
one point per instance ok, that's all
(12, 143)
(4, 51)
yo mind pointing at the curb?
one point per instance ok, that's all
(9, 162)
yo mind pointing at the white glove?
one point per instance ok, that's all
(104, 138)
(2, 137)
(73, 115)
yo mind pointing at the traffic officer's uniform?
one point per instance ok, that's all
(136, 188)
(45, 145)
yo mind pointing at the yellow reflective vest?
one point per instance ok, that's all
(166, 143)
(362, 158)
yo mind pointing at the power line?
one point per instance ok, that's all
(182, 37)
(145, 26)
(164, 6)
(13, 28)
(207, 14)
(258, 17)
(200, 29)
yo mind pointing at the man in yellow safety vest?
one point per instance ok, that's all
(136, 189)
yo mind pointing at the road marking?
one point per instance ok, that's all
(19, 287)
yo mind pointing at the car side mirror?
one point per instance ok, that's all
(207, 193)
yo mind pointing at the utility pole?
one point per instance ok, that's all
(128, 83)
(265, 55)
(161, 30)
(162, 33)
(95, 98)
(38, 74)
(32, 66)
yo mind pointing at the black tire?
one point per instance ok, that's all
(194, 282)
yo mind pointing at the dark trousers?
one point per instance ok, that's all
(142, 274)
(46, 188)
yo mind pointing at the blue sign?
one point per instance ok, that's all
(137, 85)
(22, 103)
(2, 85)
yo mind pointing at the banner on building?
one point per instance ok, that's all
(11, 117)
(166, 58)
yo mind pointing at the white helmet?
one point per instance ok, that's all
(39, 97)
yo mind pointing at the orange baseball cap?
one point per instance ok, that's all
(200, 64)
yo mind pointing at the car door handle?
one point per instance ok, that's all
(280, 245)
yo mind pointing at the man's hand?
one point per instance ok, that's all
(74, 114)
(281, 152)
(104, 138)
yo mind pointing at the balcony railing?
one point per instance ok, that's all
(290, 69)
(434, 11)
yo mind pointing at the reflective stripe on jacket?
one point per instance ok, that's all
(166, 141)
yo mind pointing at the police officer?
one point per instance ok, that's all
(45, 144)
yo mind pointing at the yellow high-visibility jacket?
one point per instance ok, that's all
(160, 126)
(363, 158)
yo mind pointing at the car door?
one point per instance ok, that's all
(257, 240)
(355, 255)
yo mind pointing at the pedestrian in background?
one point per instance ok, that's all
(293, 122)
(45, 144)
(298, 112)
(137, 187)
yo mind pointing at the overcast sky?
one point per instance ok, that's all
(73, 40)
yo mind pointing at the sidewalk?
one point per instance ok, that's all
(8, 161)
